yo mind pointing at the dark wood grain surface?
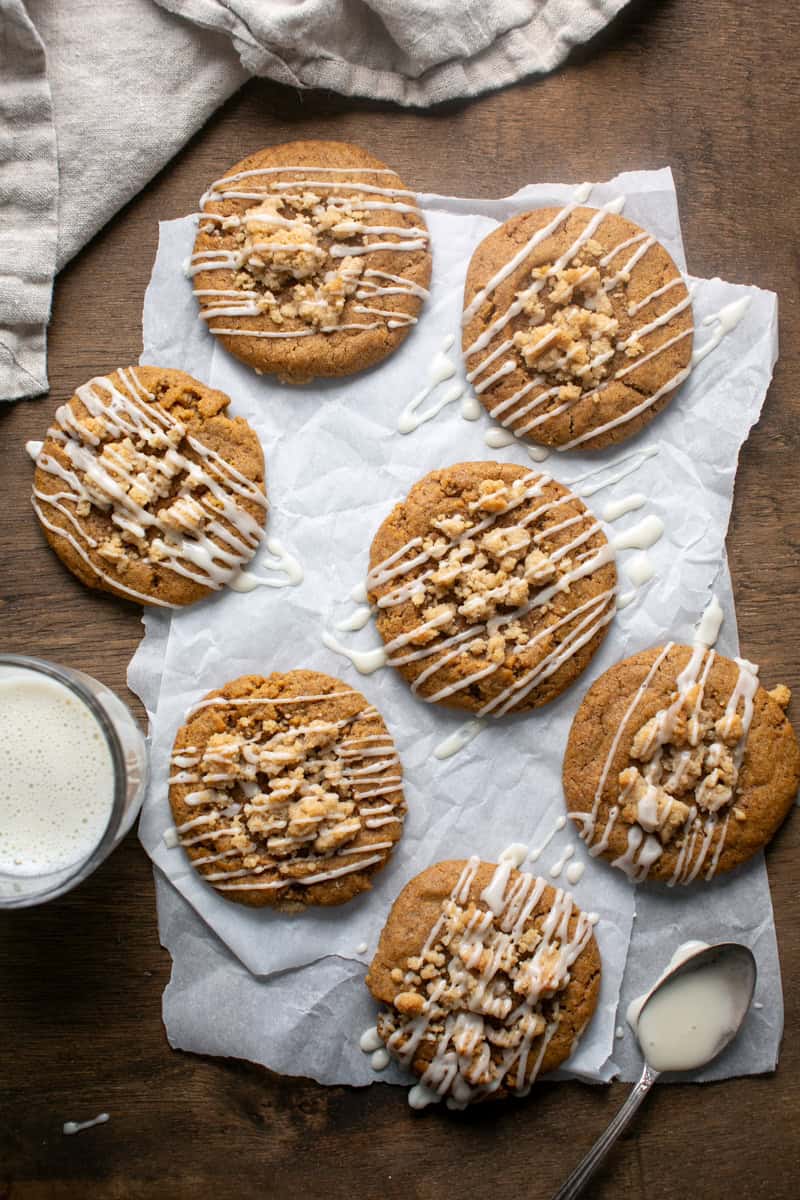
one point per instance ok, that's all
(706, 86)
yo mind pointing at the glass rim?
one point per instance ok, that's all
(71, 678)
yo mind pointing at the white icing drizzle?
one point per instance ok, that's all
(641, 243)
(458, 740)
(463, 1068)
(725, 320)
(640, 569)
(588, 821)
(70, 1127)
(641, 536)
(370, 1040)
(633, 309)
(708, 627)
(441, 369)
(210, 535)
(379, 776)
(470, 407)
(33, 449)
(537, 851)
(223, 701)
(498, 438)
(519, 258)
(560, 863)
(357, 620)
(372, 283)
(590, 617)
(620, 508)
(575, 872)
(420, 1096)
(364, 661)
(625, 599)
(516, 854)
(643, 848)
(281, 561)
(624, 466)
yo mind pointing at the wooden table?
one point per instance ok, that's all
(703, 85)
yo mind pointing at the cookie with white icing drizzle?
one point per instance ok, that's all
(145, 487)
(577, 328)
(494, 586)
(489, 975)
(286, 790)
(679, 766)
(311, 259)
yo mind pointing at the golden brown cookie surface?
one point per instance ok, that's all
(679, 765)
(578, 326)
(286, 790)
(490, 977)
(146, 488)
(494, 587)
(311, 259)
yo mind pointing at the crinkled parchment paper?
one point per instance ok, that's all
(287, 991)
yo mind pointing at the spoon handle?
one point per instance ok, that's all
(587, 1167)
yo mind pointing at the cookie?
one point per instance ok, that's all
(577, 326)
(490, 977)
(286, 790)
(311, 259)
(679, 766)
(146, 488)
(493, 587)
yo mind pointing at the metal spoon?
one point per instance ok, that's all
(742, 968)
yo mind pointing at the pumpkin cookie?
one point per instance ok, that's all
(286, 790)
(146, 488)
(494, 586)
(678, 765)
(311, 258)
(577, 326)
(490, 977)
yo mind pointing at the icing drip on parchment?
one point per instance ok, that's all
(281, 561)
(440, 370)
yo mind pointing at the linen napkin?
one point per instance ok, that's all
(416, 52)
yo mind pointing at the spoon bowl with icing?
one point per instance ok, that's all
(696, 1008)
(692, 1012)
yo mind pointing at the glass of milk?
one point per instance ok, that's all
(73, 770)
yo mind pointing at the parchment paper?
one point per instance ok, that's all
(288, 991)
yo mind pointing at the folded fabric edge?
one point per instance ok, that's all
(21, 381)
(27, 109)
(522, 52)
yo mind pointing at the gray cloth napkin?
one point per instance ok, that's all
(96, 97)
(410, 51)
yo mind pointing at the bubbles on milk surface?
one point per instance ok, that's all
(56, 777)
